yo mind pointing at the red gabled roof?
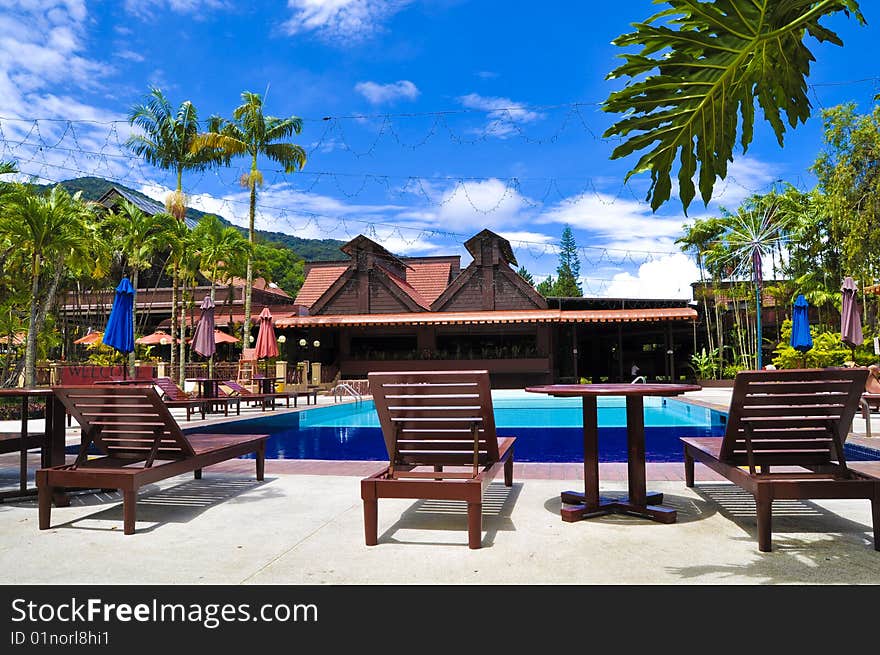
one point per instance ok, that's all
(318, 280)
(261, 284)
(430, 279)
(409, 290)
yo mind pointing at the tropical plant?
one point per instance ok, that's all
(49, 233)
(166, 141)
(222, 250)
(704, 364)
(252, 134)
(703, 64)
(755, 231)
(137, 237)
(827, 350)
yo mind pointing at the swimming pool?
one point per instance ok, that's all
(548, 429)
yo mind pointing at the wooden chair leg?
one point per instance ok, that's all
(371, 513)
(129, 511)
(44, 500)
(875, 511)
(508, 471)
(475, 524)
(371, 522)
(261, 461)
(764, 506)
(197, 474)
(688, 469)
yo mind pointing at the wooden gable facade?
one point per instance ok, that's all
(374, 281)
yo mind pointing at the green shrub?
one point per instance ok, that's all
(827, 350)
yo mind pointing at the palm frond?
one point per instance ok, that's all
(292, 157)
(713, 60)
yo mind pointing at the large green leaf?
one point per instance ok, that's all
(702, 65)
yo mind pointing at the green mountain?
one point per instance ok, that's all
(308, 249)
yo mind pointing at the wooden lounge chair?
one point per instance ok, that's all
(174, 396)
(795, 422)
(870, 400)
(431, 421)
(140, 443)
(243, 393)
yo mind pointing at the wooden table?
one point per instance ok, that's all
(208, 387)
(640, 502)
(52, 446)
(266, 385)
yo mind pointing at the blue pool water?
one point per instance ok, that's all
(547, 429)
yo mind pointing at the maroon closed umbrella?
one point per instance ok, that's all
(203, 338)
(267, 344)
(850, 316)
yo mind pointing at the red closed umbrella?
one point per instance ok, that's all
(267, 344)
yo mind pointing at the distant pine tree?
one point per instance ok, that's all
(569, 269)
(545, 287)
(525, 275)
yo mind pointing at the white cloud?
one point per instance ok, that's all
(341, 21)
(45, 73)
(619, 223)
(665, 277)
(148, 8)
(130, 55)
(470, 206)
(378, 94)
(745, 177)
(505, 116)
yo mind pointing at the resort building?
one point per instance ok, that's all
(375, 311)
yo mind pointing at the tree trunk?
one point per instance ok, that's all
(249, 283)
(182, 318)
(131, 355)
(30, 352)
(173, 329)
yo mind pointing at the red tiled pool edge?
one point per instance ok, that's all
(613, 471)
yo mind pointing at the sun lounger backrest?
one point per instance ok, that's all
(170, 389)
(237, 388)
(123, 420)
(429, 417)
(791, 416)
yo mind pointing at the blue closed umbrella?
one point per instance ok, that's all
(801, 339)
(119, 333)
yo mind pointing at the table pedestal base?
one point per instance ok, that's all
(579, 509)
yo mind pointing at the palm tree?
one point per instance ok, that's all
(251, 133)
(176, 238)
(138, 236)
(221, 251)
(755, 230)
(51, 231)
(166, 141)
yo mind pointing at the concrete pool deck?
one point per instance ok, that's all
(306, 527)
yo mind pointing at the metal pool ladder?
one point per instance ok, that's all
(345, 389)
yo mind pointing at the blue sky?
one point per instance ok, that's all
(446, 116)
